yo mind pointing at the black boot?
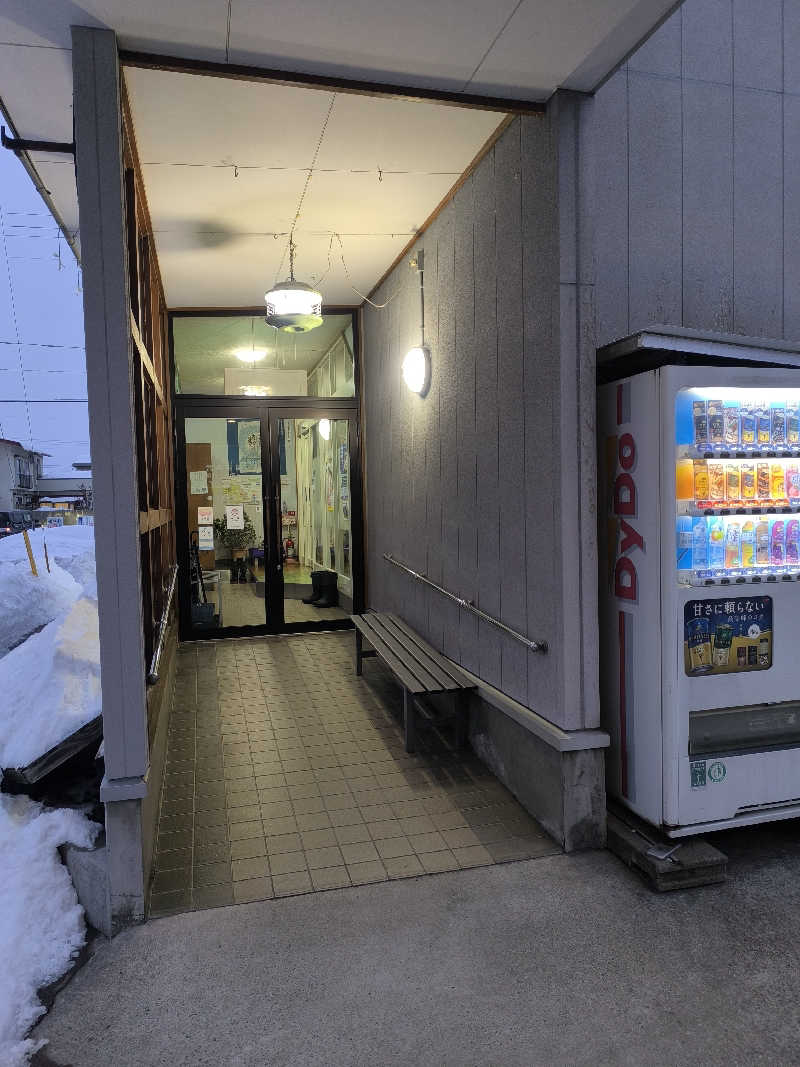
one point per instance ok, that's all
(330, 591)
(243, 575)
(235, 571)
(316, 589)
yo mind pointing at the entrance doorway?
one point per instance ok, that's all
(269, 516)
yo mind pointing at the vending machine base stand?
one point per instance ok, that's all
(664, 864)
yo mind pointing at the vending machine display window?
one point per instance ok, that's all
(737, 485)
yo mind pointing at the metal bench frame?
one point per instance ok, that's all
(418, 667)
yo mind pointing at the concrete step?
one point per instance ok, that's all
(691, 861)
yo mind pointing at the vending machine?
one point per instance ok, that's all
(699, 473)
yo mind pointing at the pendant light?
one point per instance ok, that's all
(293, 306)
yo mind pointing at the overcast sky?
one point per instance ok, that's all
(42, 358)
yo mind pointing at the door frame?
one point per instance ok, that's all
(267, 411)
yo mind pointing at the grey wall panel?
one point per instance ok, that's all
(661, 53)
(654, 200)
(758, 213)
(466, 458)
(707, 40)
(708, 206)
(757, 44)
(791, 47)
(511, 404)
(647, 249)
(487, 506)
(607, 144)
(791, 217)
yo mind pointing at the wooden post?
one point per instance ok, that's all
(31, 560)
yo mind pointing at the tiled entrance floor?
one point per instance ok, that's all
(287, 774)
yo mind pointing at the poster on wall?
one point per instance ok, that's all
(205, 537)
(205, 516)
(249, 446)
(727, 635)
(198, 482)
(234, 516)
(344, 488)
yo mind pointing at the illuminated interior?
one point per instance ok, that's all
(737, 485)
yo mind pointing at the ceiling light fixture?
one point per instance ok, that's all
(293, 306)
(250, 355)
(325, 429)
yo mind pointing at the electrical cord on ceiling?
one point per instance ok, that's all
(306, 184)
(378, 307)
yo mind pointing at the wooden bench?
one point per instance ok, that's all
(418, 667)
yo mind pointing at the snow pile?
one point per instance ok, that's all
(50, 685)
(41, 922)
(29, 603)
(51, 680)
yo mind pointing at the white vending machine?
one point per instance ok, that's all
(699, 472)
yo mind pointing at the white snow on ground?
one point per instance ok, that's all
(51, 682)
(50, 685)
(29, 603)
(41, 922)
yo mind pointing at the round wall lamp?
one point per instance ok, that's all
(417, 369)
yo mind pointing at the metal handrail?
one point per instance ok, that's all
(152, 676)
(467, 605)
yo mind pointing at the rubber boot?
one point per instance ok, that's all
(244, 575)
(235, 570)
(316, 588)
(330, 591)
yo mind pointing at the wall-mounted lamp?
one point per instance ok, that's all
(417, 370)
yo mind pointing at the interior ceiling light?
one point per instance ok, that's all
(250, 355)
(293, 306)
(325, 429)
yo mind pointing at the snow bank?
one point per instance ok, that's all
(50, 685)
(41, 922)
(70, 547)
(28, 603)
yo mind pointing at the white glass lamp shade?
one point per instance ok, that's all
(325, 429)
(294, 307)
(417, 370)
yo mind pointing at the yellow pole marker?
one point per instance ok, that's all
(31, 560)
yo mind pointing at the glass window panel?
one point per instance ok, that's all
(239, 355)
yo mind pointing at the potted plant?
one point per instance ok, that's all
(237, 542)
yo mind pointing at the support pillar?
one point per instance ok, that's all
(112, 430)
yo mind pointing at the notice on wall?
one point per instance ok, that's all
(205, 516)
(727, 635)
(198, 482)
(234, 516)
(205, 537)
(249, 440)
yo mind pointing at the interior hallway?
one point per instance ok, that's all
(287, 774)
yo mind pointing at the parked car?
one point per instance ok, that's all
(13, 522)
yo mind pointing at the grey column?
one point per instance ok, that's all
(99, 167)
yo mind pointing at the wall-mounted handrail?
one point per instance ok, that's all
(467, 605)
(152, 676)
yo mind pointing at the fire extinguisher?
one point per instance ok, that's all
(289, 548)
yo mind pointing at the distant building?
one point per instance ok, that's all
(71, 494)
(20, 474)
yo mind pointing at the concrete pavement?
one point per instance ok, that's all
(560, 960)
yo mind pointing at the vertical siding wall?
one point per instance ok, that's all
(466, 484)
(697, 148)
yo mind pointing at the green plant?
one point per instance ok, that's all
(235, 540)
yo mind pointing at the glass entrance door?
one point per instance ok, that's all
(267, 512)
(224, 491)
(313, 518)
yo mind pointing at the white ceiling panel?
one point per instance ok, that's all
(426, 44)
(44, 109)
(363, 203)
(216, 121)
(195, 28)
(367, 133)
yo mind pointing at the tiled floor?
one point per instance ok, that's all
(242, 605)
(286, 774)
